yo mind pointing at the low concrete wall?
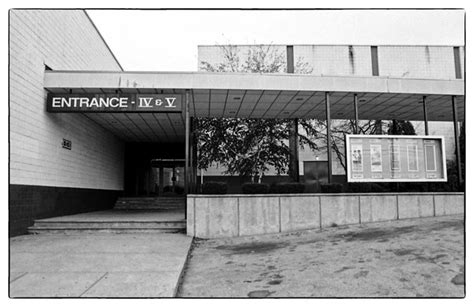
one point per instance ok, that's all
(218, 216)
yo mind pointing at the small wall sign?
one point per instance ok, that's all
(67, 144)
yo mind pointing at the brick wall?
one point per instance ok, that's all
(62, 40)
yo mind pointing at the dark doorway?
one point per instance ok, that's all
(167, 177)
(315, 173)
(151, 167)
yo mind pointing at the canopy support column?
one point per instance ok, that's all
(186, 144)
(328, 137)
(425, 114)
(356, 114)
(293, 165)
(294, 156)
(456, 140)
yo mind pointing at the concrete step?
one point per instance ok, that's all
(150, 203)
(39, 230)
(107, 226)
(147, 207)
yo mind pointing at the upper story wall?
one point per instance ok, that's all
(62, 40)
(417, 62)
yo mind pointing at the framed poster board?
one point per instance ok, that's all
(395, 158)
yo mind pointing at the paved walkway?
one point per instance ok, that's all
(98, 265)
(406, 258)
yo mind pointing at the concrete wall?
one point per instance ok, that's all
(216, 216)
(417, 62)
(62, 40)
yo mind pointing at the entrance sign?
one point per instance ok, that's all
(162, 103)
(395, 158)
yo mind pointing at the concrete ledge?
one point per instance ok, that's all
(216, 216)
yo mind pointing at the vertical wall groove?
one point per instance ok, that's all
(279, 214)
(398, 210)
(238, 216)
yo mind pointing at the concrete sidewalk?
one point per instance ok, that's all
(98, 265)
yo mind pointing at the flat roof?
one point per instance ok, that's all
(259, 96)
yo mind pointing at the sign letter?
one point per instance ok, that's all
(170, 102)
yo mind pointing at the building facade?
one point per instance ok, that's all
(82, 160)
(46, 179)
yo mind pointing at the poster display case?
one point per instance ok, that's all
(395, 158)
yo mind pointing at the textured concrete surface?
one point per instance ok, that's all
(219, 216)
(101, 265)
(299, 213)
(378, 208)
(445, 205)
(259, 215)
(404, 258)
(339, 210)
(414, 206)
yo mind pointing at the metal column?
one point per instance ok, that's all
(425, 114)
(456, 140)
(293, 165)
(356, 114)
(191, 158)
(186, 144)
(328, 137)
(293, 145)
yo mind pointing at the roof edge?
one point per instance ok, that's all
(329, 45)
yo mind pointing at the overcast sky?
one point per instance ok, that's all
(167, 40)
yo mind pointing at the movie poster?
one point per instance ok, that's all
(412, 157)
(376, 158)
(356, 150)
(395, 158)
(430, 157)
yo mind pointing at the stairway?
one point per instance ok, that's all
(150, 203)
(130, 215)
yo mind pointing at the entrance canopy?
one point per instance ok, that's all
(258, 96)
